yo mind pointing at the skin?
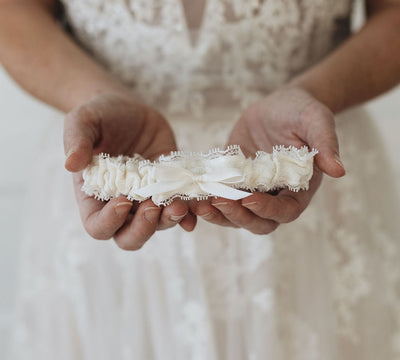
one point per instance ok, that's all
(117, 124)
(102, 116)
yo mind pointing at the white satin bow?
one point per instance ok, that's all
(174, 179)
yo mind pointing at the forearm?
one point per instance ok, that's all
(41, 57)
(367, 65)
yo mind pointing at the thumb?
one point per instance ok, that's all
(321, 135)
(80, 134)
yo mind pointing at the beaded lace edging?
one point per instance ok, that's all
(196, 175)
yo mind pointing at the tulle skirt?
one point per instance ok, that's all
(323, 287)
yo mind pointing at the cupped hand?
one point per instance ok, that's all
(118, 124)
(289, 116)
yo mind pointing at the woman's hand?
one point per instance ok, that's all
(117, 124)
(289, 116)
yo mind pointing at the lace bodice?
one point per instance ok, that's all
(182, 54)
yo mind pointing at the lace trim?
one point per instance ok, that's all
(189, 175)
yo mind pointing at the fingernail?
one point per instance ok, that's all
(224, 207)
(251, 205)
(177, 218)
(209, 216)
(152, 214)
(70, 152)
(121, 208)
(338, 161)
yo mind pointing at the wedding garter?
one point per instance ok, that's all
(188, 175)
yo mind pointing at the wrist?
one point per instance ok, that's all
(324, 93)
(99, 87)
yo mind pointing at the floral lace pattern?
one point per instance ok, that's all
(243, 48)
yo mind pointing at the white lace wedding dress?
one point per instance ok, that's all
(325, 287)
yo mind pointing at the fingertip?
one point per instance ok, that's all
(71, 162)
(134, 234)
(189, 222)
(331, 166)
(122, 208)
(337, 173)
(78, 159)
(103, 222)
(340, 170)
(151, 213)
(177, 208)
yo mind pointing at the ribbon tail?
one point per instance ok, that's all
(222, 190)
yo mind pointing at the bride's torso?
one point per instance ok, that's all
(185, 54)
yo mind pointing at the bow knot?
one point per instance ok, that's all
(211, 182)
(198, 178)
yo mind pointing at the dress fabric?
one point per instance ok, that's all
(323, 287)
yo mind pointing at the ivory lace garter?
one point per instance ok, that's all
(188, 175)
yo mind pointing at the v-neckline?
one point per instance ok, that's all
(196, 30)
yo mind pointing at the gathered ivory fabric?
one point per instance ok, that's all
(189, 175)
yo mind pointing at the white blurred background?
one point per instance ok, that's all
(23, 124)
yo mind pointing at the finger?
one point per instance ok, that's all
(242, 217)
(100, 219)
(104, 223)
(80, 134)
(189, 222)
(319, 129)
(209, 213)
(172, 214)
(282, 208)
(134, 234)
